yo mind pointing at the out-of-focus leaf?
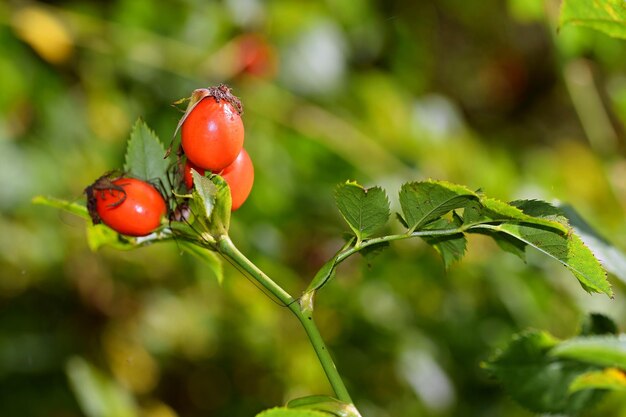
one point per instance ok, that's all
(567, 249)
(325, 403)
(537, 380)
(365, 210)
(144, 156)
(608, 16)
(598, 324)
(425, 201)
(74, 208)
(613, 259)
(99, 235)
(287, 412)
(606, 351)
(209, 257)
(97, 394)
(608, 379)
(452, 247)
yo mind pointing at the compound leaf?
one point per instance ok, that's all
(365, 209)
(425, 201)
(144, 156)
(608, 16)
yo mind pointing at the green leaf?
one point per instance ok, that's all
(608, 16)
(145, 156)
(537, 380)
(493, 210)
(98, 395)
(74, 208)
(612, 258)
(209, 257)
(325, 403)
(425, 201)
(365, 210)
(598, 324)
(451, 247)
(607, 379)
(567, 249)
(286, 412)
(100, 235)
(211, 204)
(542, 209)
(605, 351)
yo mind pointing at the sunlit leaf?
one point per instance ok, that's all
(612, 258)
(365, 209)
(100, 235)
(425, 201)
(287, 412)
(98, 394)
(567, 249)
(326, 404)
(71, 207)
(606, 351)
(608, 16)
(608, 379)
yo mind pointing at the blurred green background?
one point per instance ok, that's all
(485, 94)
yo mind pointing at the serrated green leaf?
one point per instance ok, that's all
(611, 379)
(542, 209)
(145, 156)
(508, 244)
(286, 412)
(451, 247)
(499, 211)
(605, 351)
(98, 395)
(365, 210)
(536, 380)
(326, 404)
(74, 208)
(608, 16)
(567, 249)
(425, 201)
(372, 251)
(611, 257)
(209, 257)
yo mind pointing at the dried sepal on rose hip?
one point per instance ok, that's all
(212, 131)
(127, 205)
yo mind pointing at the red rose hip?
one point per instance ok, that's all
(127, 205)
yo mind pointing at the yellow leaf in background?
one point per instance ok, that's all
(44, 32)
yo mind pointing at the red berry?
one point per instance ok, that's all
(257, 56)
(239, 176)
(127, 205)
(212, 133)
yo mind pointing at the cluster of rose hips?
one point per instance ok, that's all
(212, 137)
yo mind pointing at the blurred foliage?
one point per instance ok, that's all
(380, 92)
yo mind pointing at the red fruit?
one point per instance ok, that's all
(212, 133)
(187, 178)
(257, 56)
(127, 205)
(239, 176)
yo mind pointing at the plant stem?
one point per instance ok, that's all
(306, 318)
(230, 251)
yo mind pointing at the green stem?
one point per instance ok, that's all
(230, 251)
